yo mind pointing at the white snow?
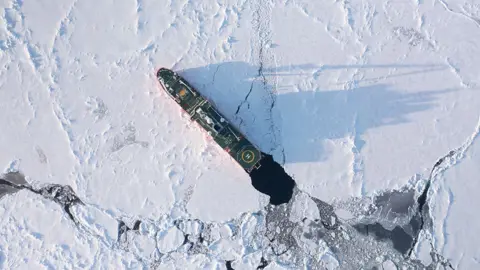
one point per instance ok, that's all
(352, 97)
(223, 192)
(36, 234)
(389, 265)
(455, 220)
(378, 94)
(304, 207)
(170, 240)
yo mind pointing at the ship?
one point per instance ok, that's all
(203, 112)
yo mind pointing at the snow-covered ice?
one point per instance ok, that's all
(355, 99)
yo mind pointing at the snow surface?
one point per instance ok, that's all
(353, 98)
(455, 220)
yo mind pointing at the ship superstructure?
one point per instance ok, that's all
(207, 116)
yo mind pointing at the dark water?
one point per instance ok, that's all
(263, 264)
(328, 217)
(403, 237)
(11, 182)
(123, 229)
(63, 195)
(401, 240)
(398, 202)
(272, 180)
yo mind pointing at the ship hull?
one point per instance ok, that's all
(207, 116)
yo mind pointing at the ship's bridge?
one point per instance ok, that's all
(167, 78)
